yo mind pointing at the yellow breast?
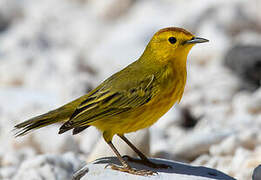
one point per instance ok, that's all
(146, 115)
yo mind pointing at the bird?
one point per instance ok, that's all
(132, 99)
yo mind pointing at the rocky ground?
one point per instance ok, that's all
(54, 51)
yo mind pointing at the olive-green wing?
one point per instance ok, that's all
(106, 101)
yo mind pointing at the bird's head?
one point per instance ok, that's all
(170, 44)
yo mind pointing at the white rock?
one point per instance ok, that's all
(8, 172)
(56, 144)
(248, 37)
(249, 138)
(201, 160)
(196, 144)
(226, 147)
(51, 167)
(240, 164)
(14, 157)
(239, 161)
(159, 143)
(47, 140)
(254, 104)
(88, 139)
(110, 9)
(96, 170)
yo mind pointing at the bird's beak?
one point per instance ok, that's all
(195, 40)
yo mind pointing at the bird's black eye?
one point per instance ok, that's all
(172, 40)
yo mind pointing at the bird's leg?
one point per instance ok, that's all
(144, 160)
(125, 166)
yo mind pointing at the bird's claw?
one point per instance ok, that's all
(131, 170)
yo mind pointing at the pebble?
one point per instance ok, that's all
(195, 144)
(53, 167)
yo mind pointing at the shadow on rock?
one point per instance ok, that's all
(176, 168)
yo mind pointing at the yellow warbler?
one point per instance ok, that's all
(131, 99)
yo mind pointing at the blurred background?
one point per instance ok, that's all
(52, 52)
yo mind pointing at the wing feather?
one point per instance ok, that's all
(106, 103)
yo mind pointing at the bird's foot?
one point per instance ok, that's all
(147, 162)
(131, 170)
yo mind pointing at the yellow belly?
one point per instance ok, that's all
(144, 116)
(141, 117)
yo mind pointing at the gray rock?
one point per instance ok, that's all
(257, 173)
(180, 171)
(245, 61)
(10, 11)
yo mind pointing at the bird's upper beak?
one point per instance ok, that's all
(195, 40)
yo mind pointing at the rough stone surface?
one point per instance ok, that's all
(257, 173)
(180, 171)
(53, 167)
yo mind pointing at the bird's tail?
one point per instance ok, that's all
(58, 115)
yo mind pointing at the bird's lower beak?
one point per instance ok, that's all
(195, 40)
